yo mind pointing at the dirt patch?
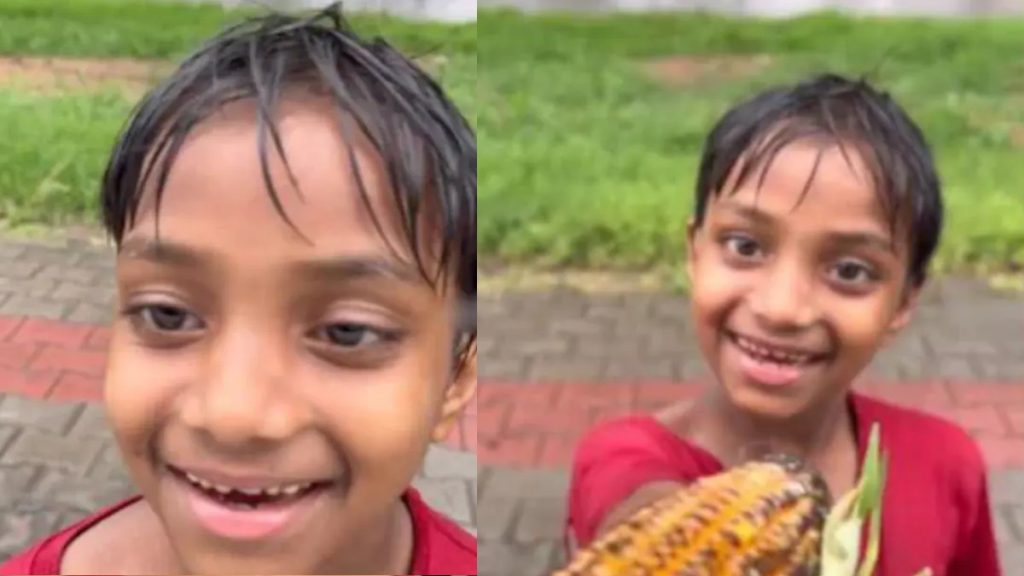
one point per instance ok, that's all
(53, 75)
(686, 70)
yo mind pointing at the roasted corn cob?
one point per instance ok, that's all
(763, 518)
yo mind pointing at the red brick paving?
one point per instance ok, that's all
(537, 425)
(528, 425)
(62, 361)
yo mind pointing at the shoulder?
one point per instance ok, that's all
(47, 555)
(441, 545)
(940, 448)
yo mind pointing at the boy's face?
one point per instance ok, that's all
(247, 357)
(792, 298)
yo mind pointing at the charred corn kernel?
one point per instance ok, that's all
(758, 519)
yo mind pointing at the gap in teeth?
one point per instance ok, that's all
(770, 355)
(273, 491)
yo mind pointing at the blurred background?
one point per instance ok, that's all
(591, 116)
(70, 73)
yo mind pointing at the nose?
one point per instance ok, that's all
(242, 394)
(784, 298)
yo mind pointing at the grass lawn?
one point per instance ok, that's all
(587, 160)
(56, 141)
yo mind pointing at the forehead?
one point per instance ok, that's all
(217, 196)
(811, 185)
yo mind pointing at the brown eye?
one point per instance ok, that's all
(743, 246)
(350, 335)
(167, 318)
(853, 272)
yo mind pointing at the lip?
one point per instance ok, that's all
(233, 523)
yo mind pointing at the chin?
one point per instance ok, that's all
(220, 563)
(762, 404)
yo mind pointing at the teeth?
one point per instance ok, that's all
(774, 355)
(286, 490)
(293, 489)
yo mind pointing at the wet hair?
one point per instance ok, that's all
(427, 148)
(833, 111)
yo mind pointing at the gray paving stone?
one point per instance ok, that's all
(40, 307)
(37, 414)
(654, 369)
(19, 529)
(1012, 559)
(11, 251)
(20, 269)
(561, 367)
(32, 287)
(1007, 487)
(7, 434)
(86, 313)
(1005, 521)
(109, 466)
(443, 462)
(541, 520)
(14, 482)
(90, 422)
(73, 455)
(42, 255)
(82, 495)
(496, 516)
(496, 558)
(79, 275)
(449, 495)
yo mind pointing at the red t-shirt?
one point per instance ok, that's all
(936, 507)
(441, 546)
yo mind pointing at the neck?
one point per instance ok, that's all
(737, 435)
(387, 549)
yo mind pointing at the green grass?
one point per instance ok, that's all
(587, 162)
(56, 145)
(163, 29)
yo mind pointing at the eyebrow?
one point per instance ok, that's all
(347, 268)
(879, 241)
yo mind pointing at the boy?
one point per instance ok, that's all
(294, 212)
(818, 209)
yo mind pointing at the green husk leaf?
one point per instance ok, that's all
(841, 536)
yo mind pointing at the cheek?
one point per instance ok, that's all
(861, 325)
(715, 290)
(385, 417)
(136, 395)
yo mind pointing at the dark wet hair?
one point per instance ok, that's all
(427, 147)
(833, 110)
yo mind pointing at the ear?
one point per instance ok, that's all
(691, 247)
(905, 312)
(460, 392)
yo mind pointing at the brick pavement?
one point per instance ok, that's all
(554, 363)
(57, 457)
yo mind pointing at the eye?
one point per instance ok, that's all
(853, 272)
(351, 335)
(743, 246)
(166, 318)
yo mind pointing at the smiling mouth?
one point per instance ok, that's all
(769, 353)
(250, 498)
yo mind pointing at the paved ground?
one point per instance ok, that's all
(555, 363)
(57, 458)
